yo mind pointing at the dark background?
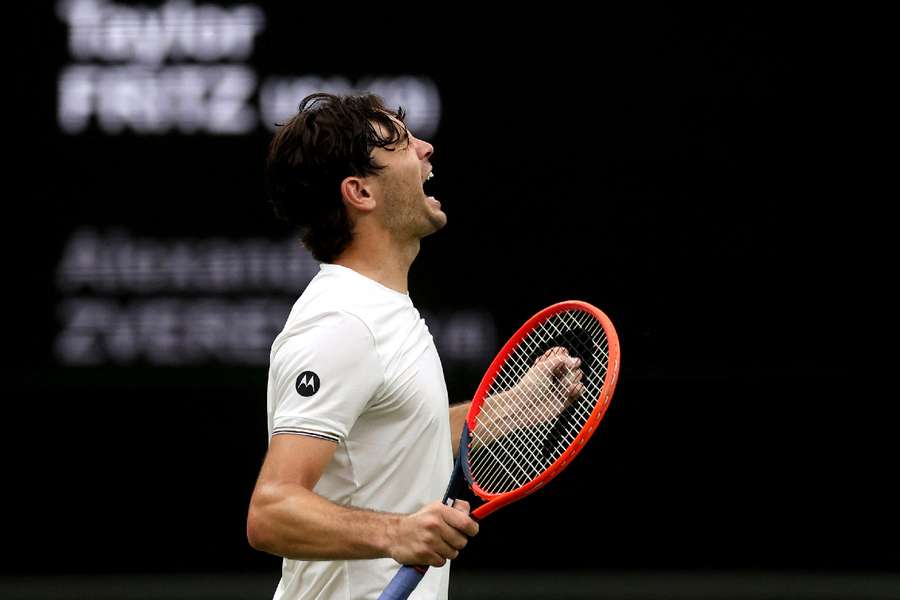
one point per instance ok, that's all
(689, 172)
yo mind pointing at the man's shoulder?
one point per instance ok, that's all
(338, 302)
(335, 335)
(339, 289)
(333, 323)
(329, 294)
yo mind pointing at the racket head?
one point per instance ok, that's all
(586, 333)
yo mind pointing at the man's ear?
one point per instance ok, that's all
(357, 193)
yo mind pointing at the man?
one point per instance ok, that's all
(361, 436)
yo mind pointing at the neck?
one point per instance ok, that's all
(380, 258)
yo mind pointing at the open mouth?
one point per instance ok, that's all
(427, 184)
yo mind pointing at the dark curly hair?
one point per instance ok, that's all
(329, 139)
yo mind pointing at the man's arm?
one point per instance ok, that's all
(288, 519)
(458, 414)
(547, 389)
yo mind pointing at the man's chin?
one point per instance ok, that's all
(435, 215)
(434, 222)
(438, 219)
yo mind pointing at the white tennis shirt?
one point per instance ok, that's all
(356, 364)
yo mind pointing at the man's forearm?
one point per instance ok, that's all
(458, 414)
(292, 521)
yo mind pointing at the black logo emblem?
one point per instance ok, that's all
(307, 383)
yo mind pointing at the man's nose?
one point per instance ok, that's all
(424, 149)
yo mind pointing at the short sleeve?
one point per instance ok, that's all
(324, 376)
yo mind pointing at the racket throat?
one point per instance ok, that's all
(460, 485)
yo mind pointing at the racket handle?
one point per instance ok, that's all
(403, 583)
(408, 577)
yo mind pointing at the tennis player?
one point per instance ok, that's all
(361, 433)
(359, 420)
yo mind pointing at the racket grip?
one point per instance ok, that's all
(403, 583)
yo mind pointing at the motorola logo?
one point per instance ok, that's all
(307, 383)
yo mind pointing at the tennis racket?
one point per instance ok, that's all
(538, 404)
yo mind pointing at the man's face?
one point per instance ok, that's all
(406, 210)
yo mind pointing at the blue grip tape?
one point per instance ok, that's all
(403, 583)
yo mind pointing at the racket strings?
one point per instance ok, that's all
(508, 463)
(556, 437)
(528, 418)
(567, 427)
(543, 445)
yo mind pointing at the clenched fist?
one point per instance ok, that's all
(432, 535)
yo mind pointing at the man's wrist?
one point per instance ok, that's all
(387, 540)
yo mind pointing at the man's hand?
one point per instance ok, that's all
(553, 382)
(432, 535)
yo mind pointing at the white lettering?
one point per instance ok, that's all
(229, 108)
(169, 331)
(280, 96)
(189, 99)
(176, 30)
(120, 263)
(147, 91)
(419, 97)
